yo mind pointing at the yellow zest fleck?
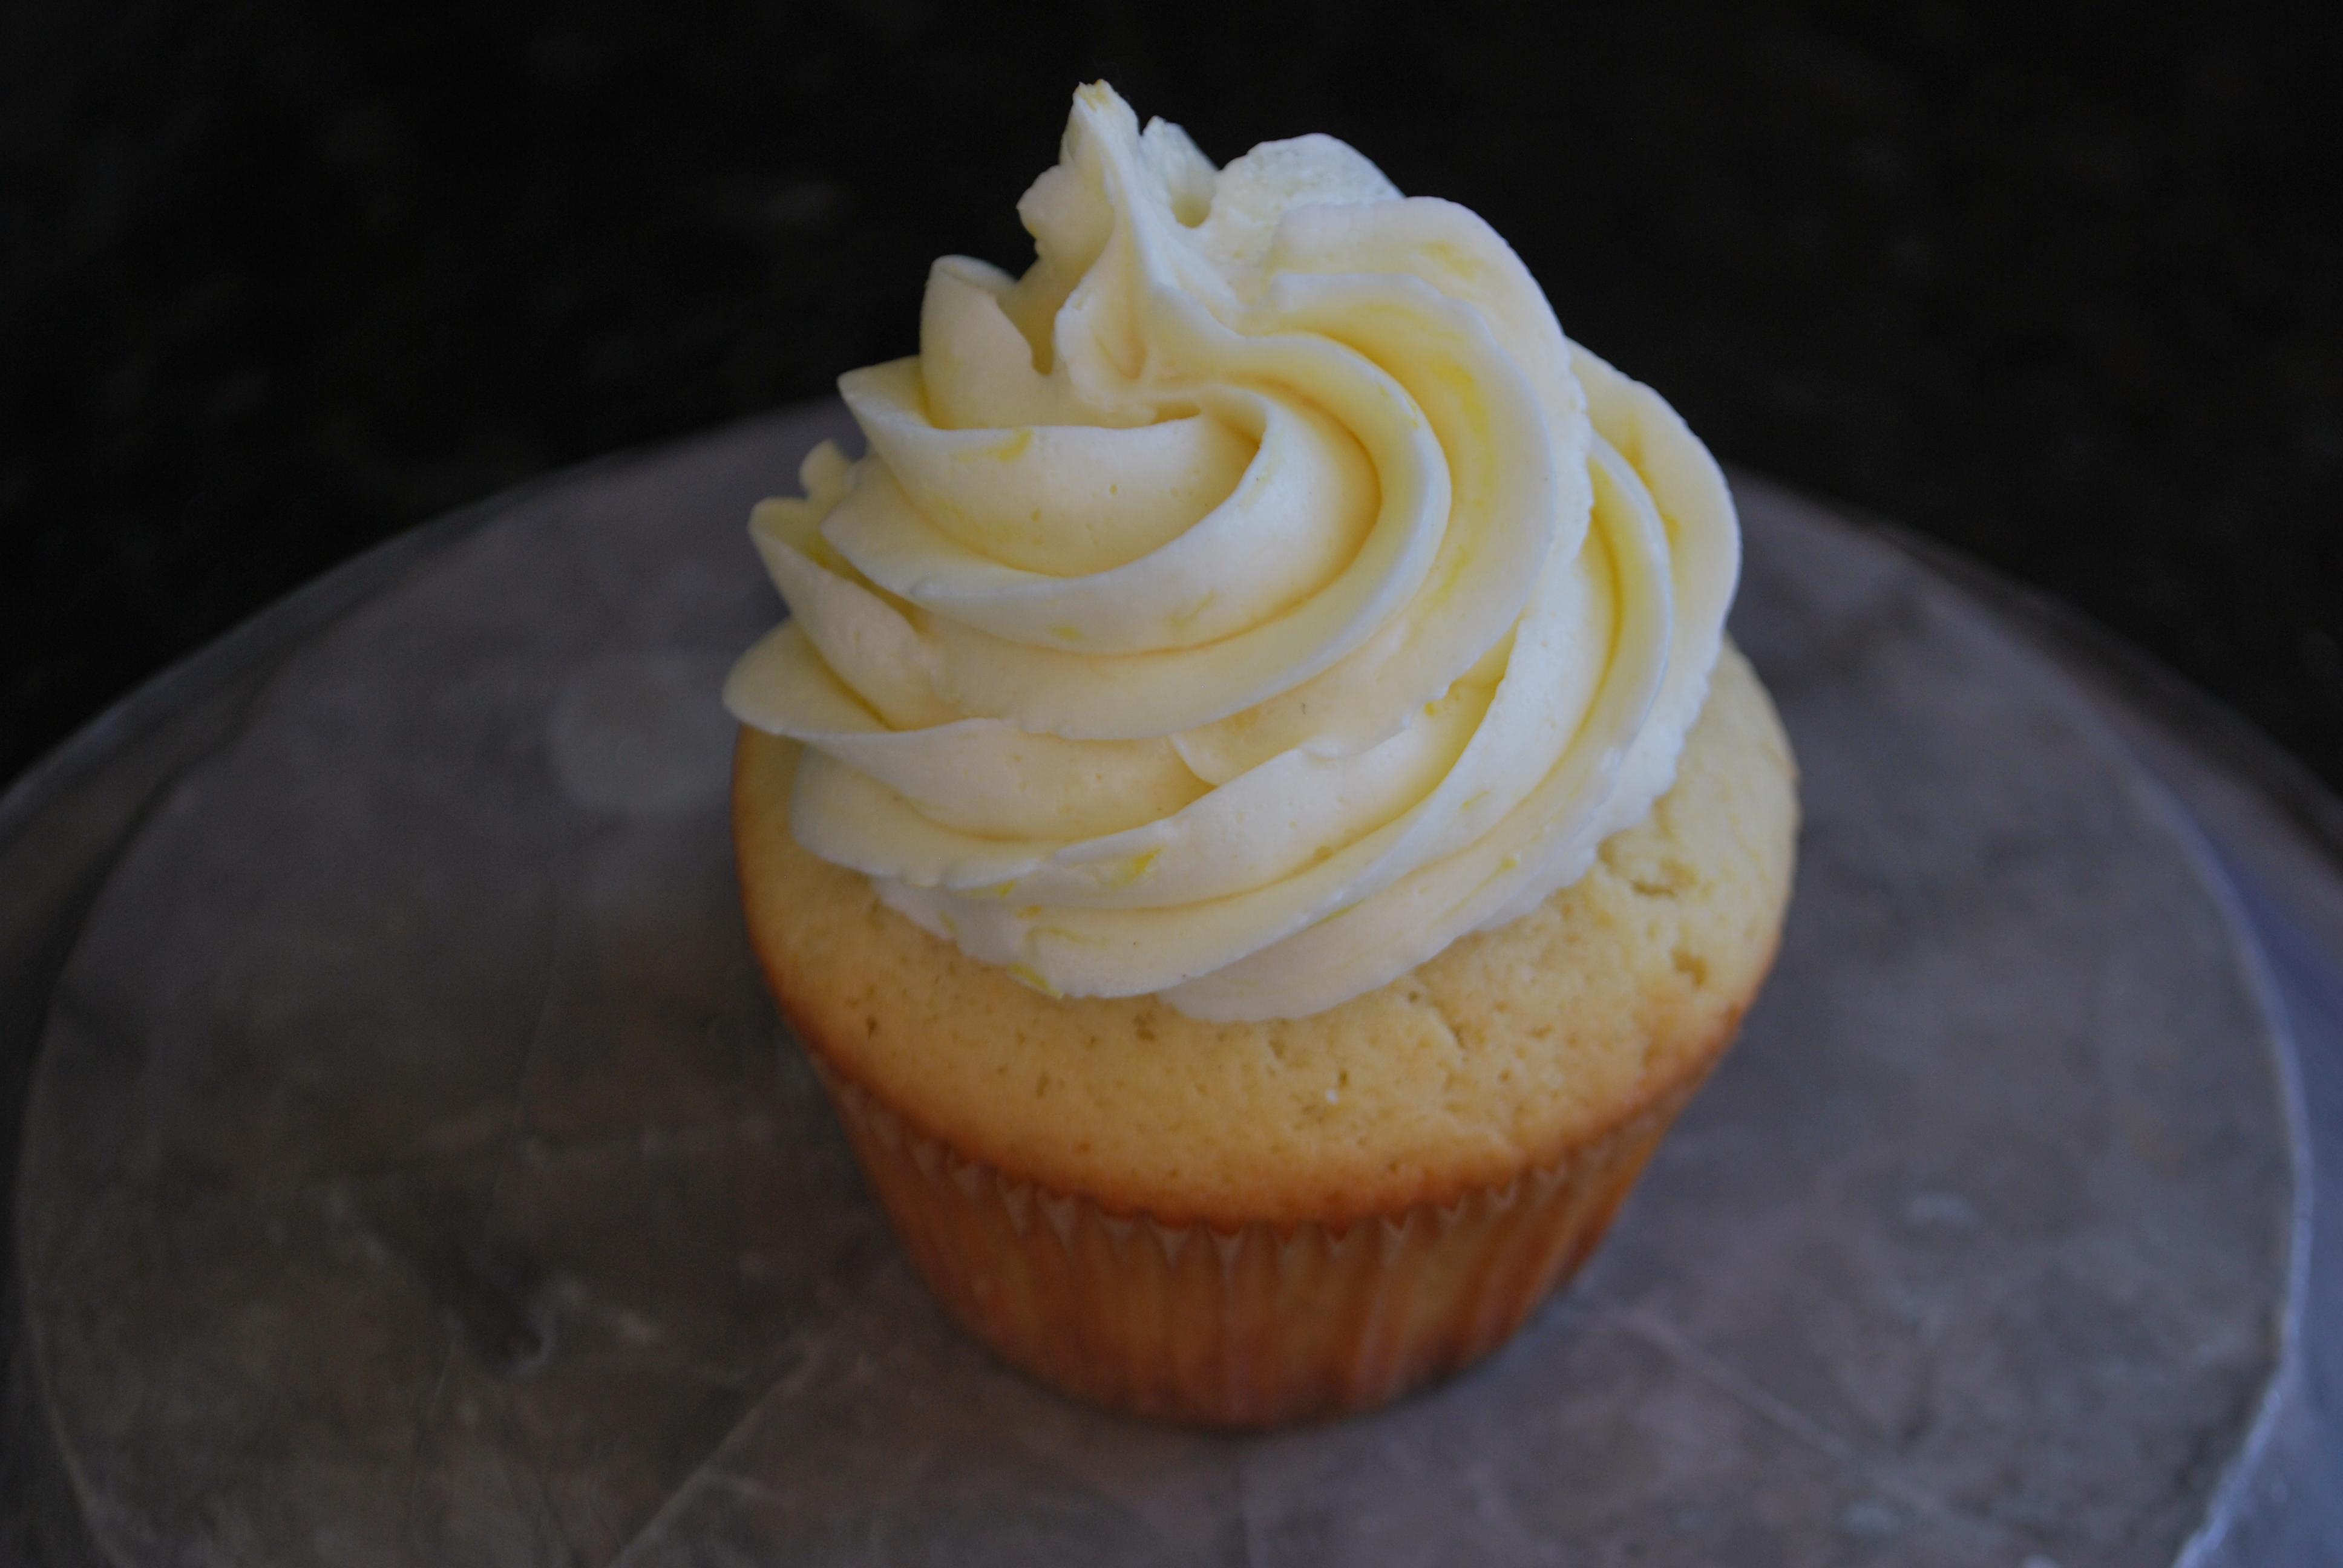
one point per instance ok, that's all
(1510, 863)
(1008, 449)
(1031, 978)
(1122, 873)
(998, 891)
(1187, 618)
(1067, 633)
(1459, 262)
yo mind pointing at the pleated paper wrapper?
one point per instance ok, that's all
(1257, 1326)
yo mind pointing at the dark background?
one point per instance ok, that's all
(277, 279)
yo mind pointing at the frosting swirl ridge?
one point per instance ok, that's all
(1254, 597)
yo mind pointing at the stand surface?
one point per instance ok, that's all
(415, 1171)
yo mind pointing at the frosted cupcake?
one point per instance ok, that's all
(1251, 814)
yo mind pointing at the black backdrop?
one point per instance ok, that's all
(2053, 284)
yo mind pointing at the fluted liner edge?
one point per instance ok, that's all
(1257, 1326)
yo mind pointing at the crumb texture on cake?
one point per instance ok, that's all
(1502, 1053)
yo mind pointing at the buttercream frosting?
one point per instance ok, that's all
(1253, 598)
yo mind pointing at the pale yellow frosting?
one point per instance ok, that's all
(1250, 599)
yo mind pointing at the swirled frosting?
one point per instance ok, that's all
(1251, 598)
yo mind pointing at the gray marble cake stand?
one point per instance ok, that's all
(412, 1171)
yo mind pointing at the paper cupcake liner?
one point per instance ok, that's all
(1252, 1327)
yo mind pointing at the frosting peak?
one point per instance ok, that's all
(1250, 600)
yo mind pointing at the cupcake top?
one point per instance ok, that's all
(1253, 598)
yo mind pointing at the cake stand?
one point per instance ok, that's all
(410, 1168)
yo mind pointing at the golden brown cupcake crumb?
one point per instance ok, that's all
(1498, 1056)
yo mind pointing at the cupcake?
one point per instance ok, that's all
(1251, 814)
